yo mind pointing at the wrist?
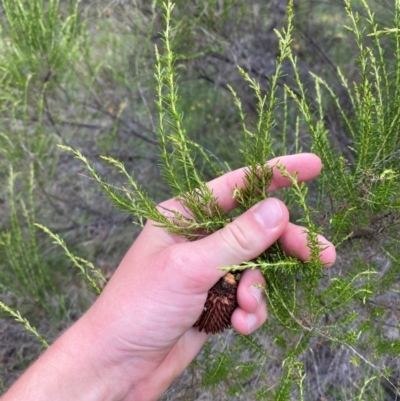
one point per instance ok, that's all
(90, 379)
(68, 371)
(127, 372)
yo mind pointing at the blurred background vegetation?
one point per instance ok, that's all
(82, 74)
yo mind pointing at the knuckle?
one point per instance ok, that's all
(180, 265)
(172, 261)
(237, 238)
(175, 260)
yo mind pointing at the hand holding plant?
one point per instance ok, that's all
(139, 335)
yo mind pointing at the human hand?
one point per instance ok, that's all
(147, 310)
(138, 336)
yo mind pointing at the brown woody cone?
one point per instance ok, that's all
(220, 304)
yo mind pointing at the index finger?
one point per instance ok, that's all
(307, 165)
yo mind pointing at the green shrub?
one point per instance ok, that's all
(348, 312)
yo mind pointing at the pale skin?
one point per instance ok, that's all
(138, 336)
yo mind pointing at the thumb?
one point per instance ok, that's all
(244, 239)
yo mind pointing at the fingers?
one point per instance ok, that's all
(294, 243)
(307, 165)
(243, 239)
(252, 310)
(250, 296)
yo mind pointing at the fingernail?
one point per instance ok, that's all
(251, 322)
(257, 293)
(268, 213)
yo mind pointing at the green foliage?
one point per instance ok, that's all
(106, 105)
(22, 269)
(28, 327)
(38, 40)
(136, 203)
(92, 275)
(217, 366)
(300, 295)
